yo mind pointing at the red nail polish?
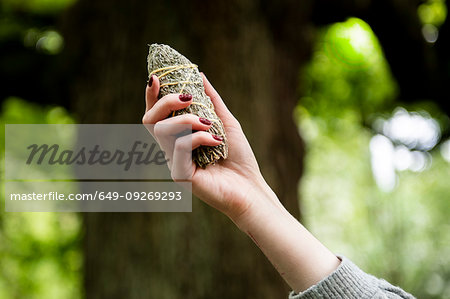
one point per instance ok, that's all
(185, 97)
(150, 81)
(205, 121)
(218, 138)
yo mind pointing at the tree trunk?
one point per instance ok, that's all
(251, 51)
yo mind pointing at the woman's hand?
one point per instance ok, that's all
(236, 187)
(216, 184)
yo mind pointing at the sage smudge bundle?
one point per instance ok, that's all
(178, 75)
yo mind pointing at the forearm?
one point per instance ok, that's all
(296, 254)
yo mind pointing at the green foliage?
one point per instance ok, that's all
(41, 256)
(22, 21)
(401, 236)
(348, 72)
(433, 12)
(37, 6)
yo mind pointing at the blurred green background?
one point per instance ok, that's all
(375, 185)
(388, 191)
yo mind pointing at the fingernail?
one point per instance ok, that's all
(205, 121)
(218, 138)
(185, 97)
(150, 81)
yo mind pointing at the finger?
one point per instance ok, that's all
(219, 106)
(182, 165)
(151, 92)
(174, 125)
(166, 131)
(165, 106)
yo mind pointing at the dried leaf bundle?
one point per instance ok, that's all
(178, 75)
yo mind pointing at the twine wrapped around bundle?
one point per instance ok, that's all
(178, 75)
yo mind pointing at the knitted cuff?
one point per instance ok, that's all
(347, 281)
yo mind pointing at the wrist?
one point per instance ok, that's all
(296, 254)
(262, 203)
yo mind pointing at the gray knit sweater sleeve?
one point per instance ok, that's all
(348, 281)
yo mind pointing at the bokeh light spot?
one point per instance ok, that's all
(382, 160)
(445, 150)
(430, 33)
(415, 130)
(51, 42)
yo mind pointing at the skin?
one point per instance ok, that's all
(298, 256)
